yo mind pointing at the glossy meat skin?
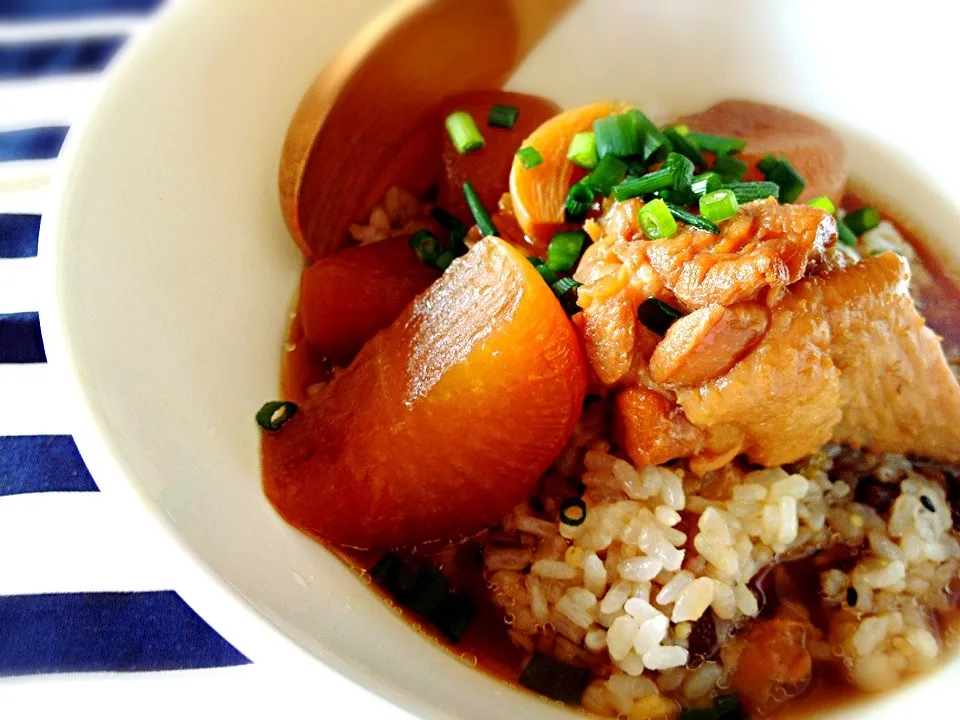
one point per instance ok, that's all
(812, 148)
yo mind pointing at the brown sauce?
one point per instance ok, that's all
(486, 644)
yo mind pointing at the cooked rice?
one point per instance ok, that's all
(659, 548)
(399, 212)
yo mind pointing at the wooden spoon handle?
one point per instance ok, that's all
(361, 126)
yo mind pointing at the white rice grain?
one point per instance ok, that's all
(693, 600)
(661, 658)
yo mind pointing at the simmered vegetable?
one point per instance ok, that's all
(444, 421)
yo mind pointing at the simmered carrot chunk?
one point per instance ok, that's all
(444, 421)
(346, 298)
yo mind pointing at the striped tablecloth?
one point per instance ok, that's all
(89, 626)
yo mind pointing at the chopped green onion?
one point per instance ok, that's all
(717, 144)
(657, 316)
(579, 201)
(651, 139)
(750, 191)
(862, 220)
(457, 230)
(719, 205)
(578, 516)
(555, 679)
(480, 213)
(694, 220)
(609, 171)
(426, 245)
(445, 220)
(678, 197)
(548, 275)
(529, 157)
(781, 172)
(729, 707)
(274, 415)
(845, 235)
(823, 202)
(706, 183)
(583, 150)
(617, 135)
(651, 182)
(463, 131)
(682, 171)
(444, 259)
(685, 146)
(566, 291)
(656, 220)
(731, 169)
(682, 129)
(503, 116)
(564, 249)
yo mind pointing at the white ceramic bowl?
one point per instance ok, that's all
(173, 275)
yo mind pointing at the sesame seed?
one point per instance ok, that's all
(928, 503)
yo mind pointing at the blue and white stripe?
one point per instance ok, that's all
(75, 595)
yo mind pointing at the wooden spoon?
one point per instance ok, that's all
(364, 124)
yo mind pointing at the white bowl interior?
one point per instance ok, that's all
(174, 275)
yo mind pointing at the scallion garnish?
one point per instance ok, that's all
(578, 514)
(862, 220)
(731, 169)
(725, 707)
(579, 201)
(583, 150)
(503, 116)
(651, 182)
(717, 144)
(656, 220)
(555, 679)
(609, 171)
(529, 157)
(564, 249)
(844, 234)
(426, 245)
(750, 191)
(566, 291)
(706, 183)
(694, 220)
(781, 172)
(824, 203)
(652, 140)
(657, 316)
(445, 220)
(719, 205)
(685, 146)
(617, 135)
(463, 132)
(443, 260)
(274, 415)
(682, 171)
(548, 275)
(480, 213)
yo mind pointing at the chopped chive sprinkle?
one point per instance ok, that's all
(503, 116)
(684, 146)
(781, 172)
(463, 132)
(548, 275)
(656, 220)
(445, 220)
(617, 135)
(579, 514)
(823, 202)
(862, 220)
(583, 150)
(717, 144)
(480, 213)
(652, 140)
(731, 169)
(657, 316)
(426, 245)
(609, 171)
(651, 182)
(719, 205)
(579, 201)
(566, 291)
(274, 415)
(555, 679)
(845, 235)
(682, 171)
(706, 183)
(444, 259)
(564, 249)
(529, 157)
(694, 220)
(750, 191)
